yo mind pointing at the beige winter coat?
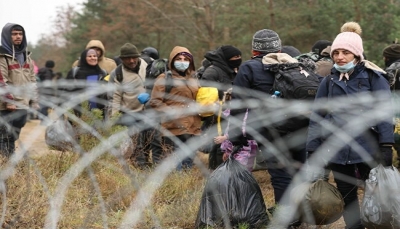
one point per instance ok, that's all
(20, 81)
(125, 97)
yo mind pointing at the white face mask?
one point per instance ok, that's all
(345, 68)
(181, 65)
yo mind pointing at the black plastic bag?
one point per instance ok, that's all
(231, 197)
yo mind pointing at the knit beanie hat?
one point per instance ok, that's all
(320, 45)
(129, 50)
(291, 51)
(266, 41)
(392, 51)
(349, 39)
(49, 64)
(229, 51)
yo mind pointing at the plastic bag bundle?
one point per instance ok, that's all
(60, 135)
(381, 203)
(321, 204)
(231, 197)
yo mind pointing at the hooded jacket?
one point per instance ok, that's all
(180, 99)
(16, 71)
(219, 71)
(104, 62)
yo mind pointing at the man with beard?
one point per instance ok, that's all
(18, 86)
(128, 81)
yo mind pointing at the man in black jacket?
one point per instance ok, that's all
(224, 63)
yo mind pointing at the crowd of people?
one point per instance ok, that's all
(341, 65)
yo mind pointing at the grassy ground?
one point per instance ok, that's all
(101, 195)
(102, 201)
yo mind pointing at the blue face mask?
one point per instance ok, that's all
(345, 68)
(181, 65)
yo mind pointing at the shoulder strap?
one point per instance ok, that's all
(168, 82)
(74, 71)
(118, 73)
(104, 72)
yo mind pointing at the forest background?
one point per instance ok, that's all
(203, 25)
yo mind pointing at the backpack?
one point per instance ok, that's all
(156, 68)
(310, 59)
(293, 81)
(391, 75)
(200, 71)
(118, 73)
(311, 55)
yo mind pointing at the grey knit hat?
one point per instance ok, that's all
(129, 50)
(266, 41)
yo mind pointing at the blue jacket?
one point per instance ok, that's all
(330, 88)
(251, 76)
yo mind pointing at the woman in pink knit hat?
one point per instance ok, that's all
(351, 150)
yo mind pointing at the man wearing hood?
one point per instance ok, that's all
(225, 61)
(105, 63)
(18, 83)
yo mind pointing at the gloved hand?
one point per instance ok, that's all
(386, 155)
(144, 97)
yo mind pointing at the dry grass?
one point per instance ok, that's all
(174, 205)
(34, 180)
